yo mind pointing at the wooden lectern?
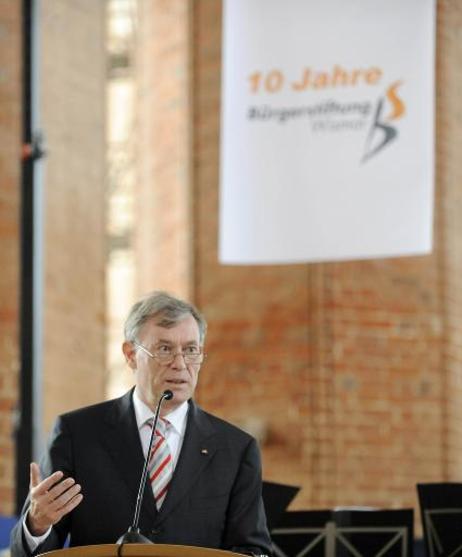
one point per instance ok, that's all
(140, 550)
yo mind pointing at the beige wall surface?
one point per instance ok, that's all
(73, 79)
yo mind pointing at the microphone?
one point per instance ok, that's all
(133, 535)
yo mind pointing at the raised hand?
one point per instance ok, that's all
(50, 499)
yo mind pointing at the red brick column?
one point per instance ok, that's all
(164, 239)
(449, 224)
(10, 187)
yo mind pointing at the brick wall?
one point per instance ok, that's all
(10, 158)
(351, 370)
(383, 334)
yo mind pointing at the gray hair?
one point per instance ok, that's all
(166, 310)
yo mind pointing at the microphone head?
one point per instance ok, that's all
(167, 395)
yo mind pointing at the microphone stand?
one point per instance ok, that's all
(133, 535)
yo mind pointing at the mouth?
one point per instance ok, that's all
(176, 382)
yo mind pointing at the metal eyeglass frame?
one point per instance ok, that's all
(172, 356)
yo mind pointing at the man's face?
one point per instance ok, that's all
(153, 377)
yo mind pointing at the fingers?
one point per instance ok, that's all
(37, 485)
(62, 493)
(35, 477)
(61, 500)
(68, 501)
(51, 499)
(70, 505)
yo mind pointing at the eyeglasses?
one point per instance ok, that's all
(166, 355)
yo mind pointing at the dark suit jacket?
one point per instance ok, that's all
(214, 499)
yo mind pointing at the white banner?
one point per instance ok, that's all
(327, 148)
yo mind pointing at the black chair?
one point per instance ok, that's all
(345, 533)
(441, 513)
(276, 498)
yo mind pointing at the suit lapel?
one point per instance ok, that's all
(122, 441)
(199, 445)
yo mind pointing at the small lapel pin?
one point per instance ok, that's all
(204, 451)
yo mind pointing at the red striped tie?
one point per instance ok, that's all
(160, 463)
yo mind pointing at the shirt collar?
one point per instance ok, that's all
(143, 413)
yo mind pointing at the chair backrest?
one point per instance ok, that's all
(6, 525)
(441, 514)
(345, 533)
(276, 498)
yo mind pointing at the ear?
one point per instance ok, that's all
(129, 351)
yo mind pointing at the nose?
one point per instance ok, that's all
(181, 364)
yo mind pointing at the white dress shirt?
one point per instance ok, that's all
(175, 434)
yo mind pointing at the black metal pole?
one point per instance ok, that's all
(24, 431)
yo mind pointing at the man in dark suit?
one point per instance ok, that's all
(205, 474)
